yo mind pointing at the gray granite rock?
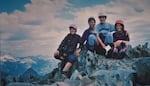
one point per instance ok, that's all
(143, 71)
(92, 69)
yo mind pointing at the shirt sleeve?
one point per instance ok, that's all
(127, 38)
(84, 36)
(62, 43)
(96, 30)
(114, 37)
(80, 41)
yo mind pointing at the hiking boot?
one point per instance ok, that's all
(109, 54)
(65, 74)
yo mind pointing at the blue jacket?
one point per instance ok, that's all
(85, 35)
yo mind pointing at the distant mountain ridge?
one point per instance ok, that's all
(18, 65)
(30, 74)
(90, 69)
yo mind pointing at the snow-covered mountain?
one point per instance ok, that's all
(41, 64)
(7, 58)
(18, 65)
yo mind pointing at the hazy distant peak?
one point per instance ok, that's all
(7, 58)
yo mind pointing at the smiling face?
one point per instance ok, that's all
(119, 27)
(72, 30)
(102, 19)
(92, 23)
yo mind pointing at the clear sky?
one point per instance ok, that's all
(36, 27)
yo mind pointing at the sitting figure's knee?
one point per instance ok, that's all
(92, 39)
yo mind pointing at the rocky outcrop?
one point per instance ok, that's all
(139, 51)
(92, 69)
(143, 71)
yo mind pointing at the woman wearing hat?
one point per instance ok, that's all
(121, 38)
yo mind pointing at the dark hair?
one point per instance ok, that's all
(102, 16)
(122, 33)
(91, 18)
(121, 25)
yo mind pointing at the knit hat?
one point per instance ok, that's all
(119, 22)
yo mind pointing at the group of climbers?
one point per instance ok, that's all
(103, 38)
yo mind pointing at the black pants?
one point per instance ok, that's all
(99, 50)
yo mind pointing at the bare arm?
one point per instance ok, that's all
(118, 43)
(126, 42)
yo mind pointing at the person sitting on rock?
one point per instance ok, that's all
(67, 50)
(85, 36)
(121, 38)
(104, 30)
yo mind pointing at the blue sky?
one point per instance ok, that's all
(87, 3)
(36, 27)
(10, 5)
